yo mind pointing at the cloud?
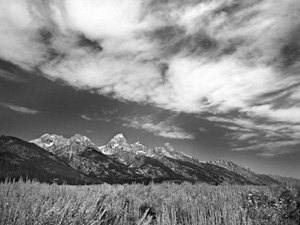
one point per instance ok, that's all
(110, 112)
(186, 56)
(20, 109)
(163, 129)
(18, 30)
(5, 75)
(267, 138)
(135, 40)
(11, 72)
(85, 117)
(105, 115)
(115, 18)
(95, 117)
(291, 114)
(202, 129)
(273, 149)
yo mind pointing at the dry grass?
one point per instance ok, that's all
(166, 204)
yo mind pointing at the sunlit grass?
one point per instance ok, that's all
(34, 203)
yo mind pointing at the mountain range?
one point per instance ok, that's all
(77, 160)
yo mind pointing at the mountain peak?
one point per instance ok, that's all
(49, 136)
(61, 145)
(119, 161)
(79, 139)
(117, 143)
(169, 147)
(119, 136)
(47, 141)
(79, 136)
(118, 140)
(138, 144)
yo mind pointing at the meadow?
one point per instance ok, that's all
(31, 202)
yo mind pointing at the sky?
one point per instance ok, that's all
(218, 79)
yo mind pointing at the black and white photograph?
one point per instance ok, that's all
(149, 112)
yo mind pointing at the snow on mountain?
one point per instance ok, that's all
(119, 160)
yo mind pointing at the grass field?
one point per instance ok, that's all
(27, 202)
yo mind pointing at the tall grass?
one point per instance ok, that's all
(30, 202)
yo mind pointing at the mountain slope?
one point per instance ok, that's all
(164, 162)
(84, 156)
(116, 162)
(286, 180)
(19, 158)
(77, 159)
(260, 179)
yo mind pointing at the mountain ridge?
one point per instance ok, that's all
(19, 158)
(121, 162)
(245, 172)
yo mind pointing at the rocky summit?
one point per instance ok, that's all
(19, 158)
(78, 160)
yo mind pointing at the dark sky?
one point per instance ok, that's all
(216, 79)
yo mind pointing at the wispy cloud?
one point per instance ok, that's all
(289, 115)
(273, 149)
(85, 117)
(163, 129)
(95, 117)
(269, 139)
(11, 72)
(19, 109)
(185, 56)
(10, 76)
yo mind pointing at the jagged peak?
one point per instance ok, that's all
(50, 136)
(138, 144)
(227, 163)
(47, 140)
(221, 161)
(46, 136)
(169, 147)
(119, 138)
(80, 138)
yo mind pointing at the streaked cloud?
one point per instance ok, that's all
(289, 114)
(105, 115)
(19, 109)
(11, 72)
(86, 117)
(193, 56)
(273, 149)
(163, 129)
(269, 139)
(95, 117)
